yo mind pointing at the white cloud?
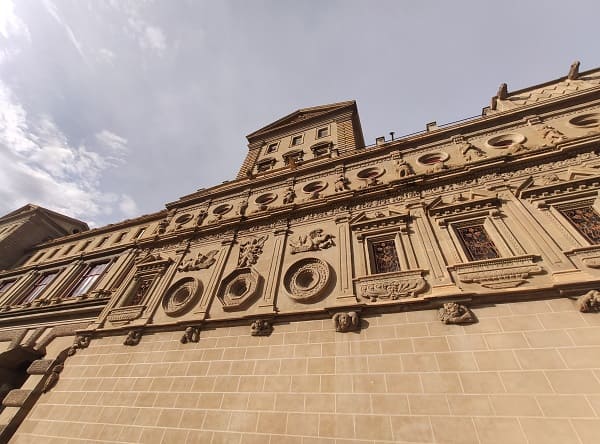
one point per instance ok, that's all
(112, 141)
(155, 38)
(39, 165)
(10, 24)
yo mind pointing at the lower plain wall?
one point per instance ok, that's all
(527, 372)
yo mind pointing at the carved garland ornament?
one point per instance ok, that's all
(306, 279)
(181, 296)
(393, 286)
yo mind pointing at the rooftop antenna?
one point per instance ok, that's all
(392, 134)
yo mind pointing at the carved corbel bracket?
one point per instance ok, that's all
(133, 337)
(454, 313)
(589, 302)
(261, 327)
(346, 321)
(190, 334)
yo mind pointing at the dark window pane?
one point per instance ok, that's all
(39, 287)
(88, 279)
(586, 221)
(385, 256)
(477, 243)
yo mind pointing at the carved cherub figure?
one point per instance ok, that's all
(320, 240)
(470, 151)
(345, 322)
(250, 250)
(552, 135)
(261, 327)
(242, 207)
(201, 216)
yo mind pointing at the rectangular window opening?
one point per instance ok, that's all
(477, 243)
(89, 278)
(585, 220)
(385, 256)
(38, 287)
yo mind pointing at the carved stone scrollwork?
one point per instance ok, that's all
(239, 288)
(133, 337)
(346, 321)
(199, 262)
(80, 341)
(454, 313)
(181, 296)
(498, 273)
(125, 314)
(261, 327)
(250, 251)
(392, 286)
(307, 279)
(53, 377)
(315, 240)
(589, 302)
(190, 334)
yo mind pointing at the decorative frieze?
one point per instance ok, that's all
(125, 314)
(391, 286)
(498, 273)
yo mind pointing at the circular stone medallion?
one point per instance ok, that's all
(590, 120)
(306, 279)
(505, 140)
(182, 296)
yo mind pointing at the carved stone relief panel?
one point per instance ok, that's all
(239, 288)
(391, 286)
(589, 302)
(307, 279)
(315, 240)
(182, 296)
(454, 313)
(346, 321)
(498, 273)
(198, 262)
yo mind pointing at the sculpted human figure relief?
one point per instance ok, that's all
(589, 302)
(133, 337)
(551, 135)
(345, 322)
(289, 196)
(453, 313)
(315, 240)
(250, 251)
(341, 183)
(242, 207)
(190, 334)
(403, 169)
(199, 262)
(261, 327)
(471, 152)
(202, 214)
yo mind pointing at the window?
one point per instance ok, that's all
(585, 220)
(385, 256)
(68, 250)
(272, 147)
(120, 237)
(476, 242)
(5, 286)
(322, 132)
(265, 165)
(296, 140)
(321, 149)
(38, 287)
(51, 255)
(85, 245)
(293, 157)
(88, 279)
(141, 290)
(140, 232)
(101, 242)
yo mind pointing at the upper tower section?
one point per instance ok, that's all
(306, 134)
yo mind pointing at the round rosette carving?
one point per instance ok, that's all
(307, 279)
(182, 296)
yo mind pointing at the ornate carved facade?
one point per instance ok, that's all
(489, 212)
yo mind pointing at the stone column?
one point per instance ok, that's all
(267, 304)
(344, 290)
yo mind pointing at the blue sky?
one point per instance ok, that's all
(110, 109)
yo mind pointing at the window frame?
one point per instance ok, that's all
(31, 293)
(70, 293)
(296, 137)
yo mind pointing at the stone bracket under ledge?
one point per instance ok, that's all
(506, 272)
(390, 286)
(125, 314)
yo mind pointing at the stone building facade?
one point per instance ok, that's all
(441, 287)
